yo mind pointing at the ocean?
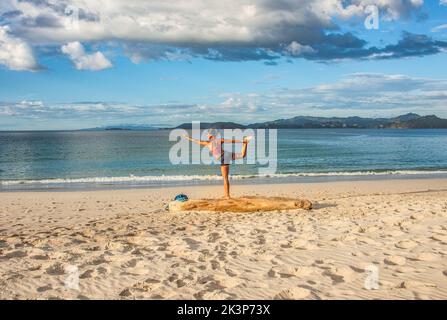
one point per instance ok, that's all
(113, 159)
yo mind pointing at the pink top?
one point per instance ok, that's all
(215, 146)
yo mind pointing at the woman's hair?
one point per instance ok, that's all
(213, 132)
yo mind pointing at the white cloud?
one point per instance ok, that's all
(296, 49)
(362, 94)
(440, 27)
(195, 25)
(83, 61)
(443, 2)
(197, 21)
(15, 54)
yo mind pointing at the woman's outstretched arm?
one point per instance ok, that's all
(231, 141)
(245, 140)
(201, 142)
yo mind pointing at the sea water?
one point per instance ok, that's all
(91, 159)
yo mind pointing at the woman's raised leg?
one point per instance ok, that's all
(243, 153)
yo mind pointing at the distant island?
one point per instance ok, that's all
(406, 121)
(123, 127)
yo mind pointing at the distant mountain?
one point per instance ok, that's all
(426, 122)
(409, 120)
(215, 125)
(123, 127)
(406, 121)
(302, 122)
(406, 117)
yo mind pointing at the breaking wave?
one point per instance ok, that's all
(187, 178)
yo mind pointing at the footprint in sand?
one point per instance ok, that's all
(214, 295)
(114, 246)
(302, 244)
(151, 280)
(126, 293)
(260, 240)
(369, 241)
(87, 274)
(395, 260)
(87, 233)
(213, 237)
(390, 221)
(417, 216)
(44, 288)
(324, 263)
(215, 265)
(41, 257)
(394, 233)
(440, 238)
(386, 285)
(232, 273)
(404, 269)
(103, 270)
(411, 284)
(426, 256)
(193, 244)
(438, 228)
(34, 267)
(370, 230)
(172, 278)
(272, 273)
(15, 254)
(444, 272)
(3, 244)
(93, 248)
(344, 238)
(266, 257)
(285, 244)
(97, 261)
(340, 274)
(205, 279)
(405, 225)
(137, 240)
(181, 283)
(290, 271)
(227, 282)
(358, 268)
(203, 256)
(293, 294)
(406, 244)
(302, 271)
(56, 269)
(308, 235)
(148, 285)
(176, 280)
(132, 263)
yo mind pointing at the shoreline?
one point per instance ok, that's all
(217, 180)
(382, 186)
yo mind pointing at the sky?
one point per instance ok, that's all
(72, 64)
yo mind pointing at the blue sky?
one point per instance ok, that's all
(121, 62)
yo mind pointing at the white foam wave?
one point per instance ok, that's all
(179, 178)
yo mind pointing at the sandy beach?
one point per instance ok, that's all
(124, 244)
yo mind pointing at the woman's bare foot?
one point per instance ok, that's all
(247, 139)
(226, 197)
